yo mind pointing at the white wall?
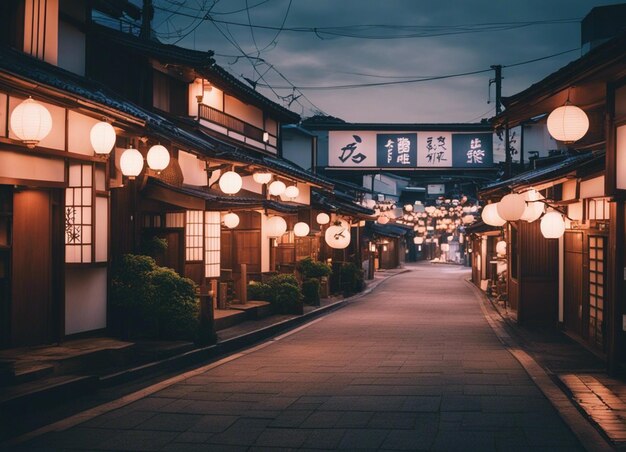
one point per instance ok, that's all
(23, 166)
(85, 299)
(193, 169)
(246, 112)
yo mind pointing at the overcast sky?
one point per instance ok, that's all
(307, 60)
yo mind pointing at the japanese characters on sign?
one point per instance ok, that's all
(371, 149)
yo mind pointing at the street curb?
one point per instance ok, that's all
(589, 437)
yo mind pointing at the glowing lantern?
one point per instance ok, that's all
(230, 182)
(277, 188)
(568, 123)
(131, 163)
(501, 248)
(31, 122)
(276, 226)
(292, 192)
(408, 207)
(322, 218)
(449, 238)
(262, 178)
(158, 158)
(301, 229)
(102, 137)
(490, 215)
(533, 209)
(231, 220)
(418, 240)
(445, 247)
(337, 236)
(382, 219)
(467, 219)
(552, 225)
(511, 207)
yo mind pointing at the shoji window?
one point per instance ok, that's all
(79, 202)
(598, 209)
(212, 228)
(194, 235)
(597, 262)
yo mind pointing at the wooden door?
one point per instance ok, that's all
(573, 285)
(35, 303)
(174, 256)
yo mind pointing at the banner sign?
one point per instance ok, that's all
(371, 149)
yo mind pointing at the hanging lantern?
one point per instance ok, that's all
(31, 122)
(131, 163)
(511, 207)
(102, 137)
(552, 225)
(158, 158)
(322, 218)
(449, 238)
(467, 219)
(262, 178)
(276, 226)
(277, 188)
(231, 220)
(534, 209)
(568, 123)
(490, 215)
(230, 182)
(501, 248)
(408, 207)
(382, 219)
(292, 192)
(337, 236)
(445, 247)
(418, 240)
(301, 229)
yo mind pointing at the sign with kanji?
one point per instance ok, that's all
(352, 149)
(434, 149)
(396, 150)
(472, 150)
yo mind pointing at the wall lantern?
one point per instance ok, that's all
(568, 123)
(276, 226)
(266, 137)
(102, 137)
(231, 220)
(31, 122)
(158, 158)
(337, 236)
(230, 182)
(131, 163)
(382, 219)
(552, 225)
(262, 178)
(277, 188)
(301, 229)
(534, 208)
(418, 240)
(322, 218)
(292, 192)
(501, 248)
(490, 215)
(511, 207)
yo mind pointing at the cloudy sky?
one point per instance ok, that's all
(389, 41)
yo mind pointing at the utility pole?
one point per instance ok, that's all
(147, 14)
(497, 80)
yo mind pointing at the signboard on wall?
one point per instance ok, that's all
(372, 149)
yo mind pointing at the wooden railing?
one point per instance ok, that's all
(231, 123)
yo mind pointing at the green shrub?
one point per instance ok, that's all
(311, 291)
(175, 304)
(282, 278)
(310, 268)
(288, 299)
(153, 246)
(259, 291)
(352, 279)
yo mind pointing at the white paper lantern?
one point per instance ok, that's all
(445, 247)
(277, 188)
(533, 210)
(490, 215)
(276, 226)
(131, 163)
(262, 178)
(337, 236)
(408, 207)
(158, 158)
(301, 229)
(568, 123)
(292, 192)
(449, 238)
(230, 182)
(382, 219)
(467, 219)
(102, 137)
(418, 240)
(552, 225)
(322, 218)
(511, 207)
(501, 248)
(31, 122)
(231, 220)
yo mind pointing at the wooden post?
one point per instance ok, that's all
(616, 272)
(243, 289)
(207, 326)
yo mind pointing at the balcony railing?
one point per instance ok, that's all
(231, 123)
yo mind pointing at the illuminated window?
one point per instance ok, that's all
(598, 209)
(194, 235)
(175, 220)
(212, 228)
(79, 201)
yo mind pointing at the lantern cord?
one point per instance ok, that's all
(553, 207)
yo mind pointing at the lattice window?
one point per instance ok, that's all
(212, 229)
(598, 209)
(79, 201)
(175, 220)
(152, 220)
(597, 263)
(194, 235)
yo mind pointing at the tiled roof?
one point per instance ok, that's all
(387, 230)
(328, 201)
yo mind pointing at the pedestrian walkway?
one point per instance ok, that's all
(412, 366)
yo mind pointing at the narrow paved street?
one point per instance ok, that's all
(412, 366)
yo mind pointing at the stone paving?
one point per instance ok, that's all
(412, 366)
